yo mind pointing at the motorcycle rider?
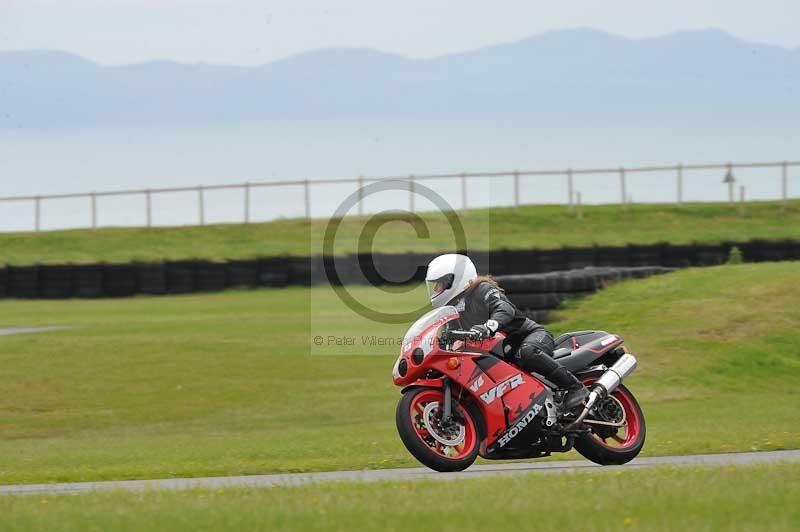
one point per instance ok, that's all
(453, 280)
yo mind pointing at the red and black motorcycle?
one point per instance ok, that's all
(461, 399)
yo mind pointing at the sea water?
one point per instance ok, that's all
(104, 158)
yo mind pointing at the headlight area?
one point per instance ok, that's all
(400, 368)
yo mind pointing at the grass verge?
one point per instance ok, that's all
(531, 227)
(233, 383)
(765, 498)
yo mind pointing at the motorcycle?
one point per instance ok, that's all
(461, 400)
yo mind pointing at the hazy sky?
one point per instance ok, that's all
(254, 32)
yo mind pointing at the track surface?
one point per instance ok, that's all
(402, 474)
(5, 331)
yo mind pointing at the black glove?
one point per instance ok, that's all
(487, 330)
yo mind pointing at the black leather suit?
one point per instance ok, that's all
(530, 345)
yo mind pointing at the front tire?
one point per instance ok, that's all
(607, 446)
(441, 449)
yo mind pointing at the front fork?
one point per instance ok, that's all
(447, 414)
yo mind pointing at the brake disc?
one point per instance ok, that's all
(434, 427)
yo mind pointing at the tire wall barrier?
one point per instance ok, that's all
(537, 293)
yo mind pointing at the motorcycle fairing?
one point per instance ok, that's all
(504, 392)
(521, 432)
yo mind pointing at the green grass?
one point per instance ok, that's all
(533, 227)
(232, 383)
(765, 498)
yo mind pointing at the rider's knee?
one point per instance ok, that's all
(530, 357)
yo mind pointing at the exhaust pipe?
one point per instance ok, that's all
(612, 378)
(607, 383)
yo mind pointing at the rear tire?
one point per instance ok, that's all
(599, 450)
(423, 445)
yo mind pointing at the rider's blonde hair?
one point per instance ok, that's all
(483, 279)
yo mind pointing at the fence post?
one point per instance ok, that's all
(93, 196)
(411, 193)
(741, 200)
(464, 191)
(307, 199)
(149, 207)
(247, 202)
(784, 185)
(570, 192)
(201, 205)
(38, 213)
(579, 211)
(680, 185)
(360, 195)
(730, 180)
(516, 191)
(622, 189)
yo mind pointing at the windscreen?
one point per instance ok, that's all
(441, 313)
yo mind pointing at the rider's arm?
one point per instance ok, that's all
(501, 311)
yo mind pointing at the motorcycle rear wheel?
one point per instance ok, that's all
(441, 449)
(611, 448)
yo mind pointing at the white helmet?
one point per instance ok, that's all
(448, 275)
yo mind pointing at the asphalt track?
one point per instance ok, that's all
(296, 479)
(5, 331)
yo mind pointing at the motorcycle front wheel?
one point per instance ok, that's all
(441, 447)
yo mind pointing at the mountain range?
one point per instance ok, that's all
(560, 72)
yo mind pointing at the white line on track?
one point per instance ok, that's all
(296, 479)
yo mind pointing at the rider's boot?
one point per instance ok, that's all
(576, 391)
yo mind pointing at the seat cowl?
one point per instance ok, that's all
(561, 352)
(580, 338)
(586, 349)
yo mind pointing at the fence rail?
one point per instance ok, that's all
(568, 174)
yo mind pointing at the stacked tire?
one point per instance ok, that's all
(55, 282)
(23, 282)
(88, 280)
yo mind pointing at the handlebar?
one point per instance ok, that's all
(458, 335)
